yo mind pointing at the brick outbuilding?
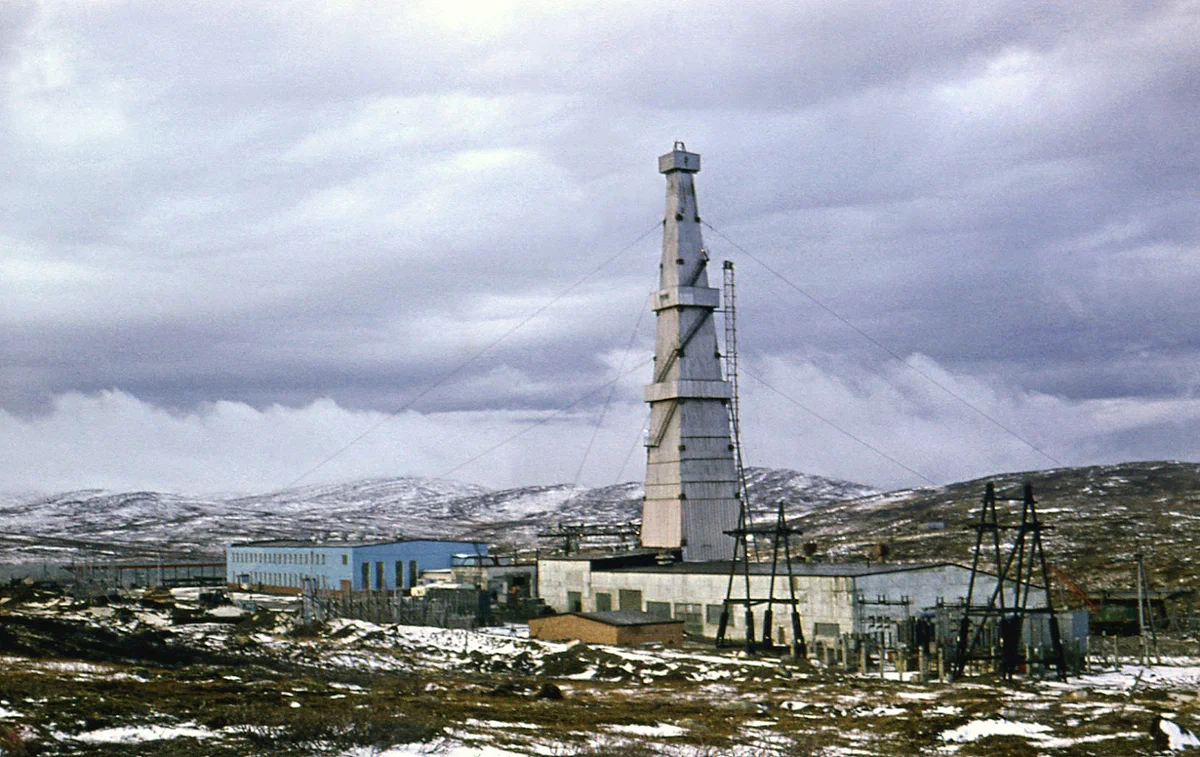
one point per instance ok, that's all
(624, 627)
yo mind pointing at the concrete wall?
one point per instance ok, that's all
(820, 599)
(829, 603)
(556, 578)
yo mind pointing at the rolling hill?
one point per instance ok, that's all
(1100, 516)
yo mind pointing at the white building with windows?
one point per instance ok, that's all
(832, 598)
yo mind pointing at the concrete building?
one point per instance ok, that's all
(691, 478)
(692, 502)
(624, 627)
(283, 565)
(503, 577)
(833, 598)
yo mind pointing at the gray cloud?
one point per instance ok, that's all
(271, 206)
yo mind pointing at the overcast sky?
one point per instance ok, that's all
(236, 237)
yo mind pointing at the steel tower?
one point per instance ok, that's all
(691, 478)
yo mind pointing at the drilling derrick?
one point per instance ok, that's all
(692, 493)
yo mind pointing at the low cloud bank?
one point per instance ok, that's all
(115, 440)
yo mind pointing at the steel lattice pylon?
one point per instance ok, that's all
(780, 533)
(1016, 570)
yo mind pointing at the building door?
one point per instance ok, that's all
(412, 573)
(379, 579)
(574, 601)
(345, 586)
(366, 576)
(629, 599)
(399, 574)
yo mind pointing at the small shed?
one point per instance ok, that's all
(626, 627)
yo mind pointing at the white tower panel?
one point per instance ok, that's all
(691, 478)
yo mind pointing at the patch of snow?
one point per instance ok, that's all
(586, 675)
(1177, 738)
(444, 749)
(978, 729)
(501, 724)
(6, 713)
(664, 730)
(138, 734)
(228, 611)
(1051, 742)
(1184, 675)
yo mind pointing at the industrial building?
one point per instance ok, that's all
(345, 566)
(695, 566)
(502, 576)
(832, 598)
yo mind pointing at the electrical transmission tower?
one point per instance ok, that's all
(1006, 624)
(745, 541)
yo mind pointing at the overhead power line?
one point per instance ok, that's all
(544, 420)
(478, 354)
(838, 428)
(608, 400)
(903, 361)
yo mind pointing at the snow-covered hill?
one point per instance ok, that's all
(1101, 516)
(90, 524)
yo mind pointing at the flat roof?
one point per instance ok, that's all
(335, 543)
(602, 556)
(722, 567)
(619, 617)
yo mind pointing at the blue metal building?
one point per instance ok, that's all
(283, 565)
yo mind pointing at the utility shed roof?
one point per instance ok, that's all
(624, 618)
(798, 568)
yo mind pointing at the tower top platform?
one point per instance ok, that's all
(679, 159)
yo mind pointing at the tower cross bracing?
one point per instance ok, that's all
(691, 477)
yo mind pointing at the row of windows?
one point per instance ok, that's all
(689, 613)
(284, 558)
(285, 579)
(632, 600)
